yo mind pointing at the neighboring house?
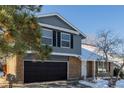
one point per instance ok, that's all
(64, 62)
(93, 67)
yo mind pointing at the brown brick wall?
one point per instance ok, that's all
(20, 69)
(111, 68)
(74, 68)
(15, 66)
(90, 68)
(11, 65)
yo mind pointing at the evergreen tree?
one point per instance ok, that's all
(20, 31)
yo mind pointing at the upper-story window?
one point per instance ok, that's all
(47, 36)
(65, 40)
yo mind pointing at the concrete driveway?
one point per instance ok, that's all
(54, 84)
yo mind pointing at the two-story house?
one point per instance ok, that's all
(64, 62)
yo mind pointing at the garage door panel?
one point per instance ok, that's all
(44, 71)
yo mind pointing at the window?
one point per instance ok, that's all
(47, 36)
(101, 67)
(65, 40)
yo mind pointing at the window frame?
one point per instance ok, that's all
(66, 40)
(46, 29)
(101, 69)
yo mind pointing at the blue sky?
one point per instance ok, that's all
(91, 19)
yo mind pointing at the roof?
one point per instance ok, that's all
(62, 18)
(89, 52)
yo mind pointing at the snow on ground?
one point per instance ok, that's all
(120, 84)
(97, 84)
(87, 83)
(102, 83)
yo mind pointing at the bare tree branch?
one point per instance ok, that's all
(108, 45)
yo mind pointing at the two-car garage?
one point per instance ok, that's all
(36, 71)
(30, 69)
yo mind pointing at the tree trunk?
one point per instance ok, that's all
(106, 61)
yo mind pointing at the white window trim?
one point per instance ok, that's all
(66, 40)
(47, 30)
(66, 34)
(48, 37)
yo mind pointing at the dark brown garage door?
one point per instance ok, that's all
(44, 71)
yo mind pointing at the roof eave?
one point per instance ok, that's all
(57, 14)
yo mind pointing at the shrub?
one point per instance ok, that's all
(116, 70)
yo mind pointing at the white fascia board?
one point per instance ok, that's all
(65, 54)
(98, 61)
(59, 28)
(60, 54)
(61, 17)
(46, 15)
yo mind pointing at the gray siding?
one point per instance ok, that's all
(58, 58)
(51, 58)
(76, 47)
(55, 21)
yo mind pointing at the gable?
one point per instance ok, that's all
(55, 21)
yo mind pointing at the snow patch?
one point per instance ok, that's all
(120, 84)
(101, 84)
(87, 83)
(97, 84)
